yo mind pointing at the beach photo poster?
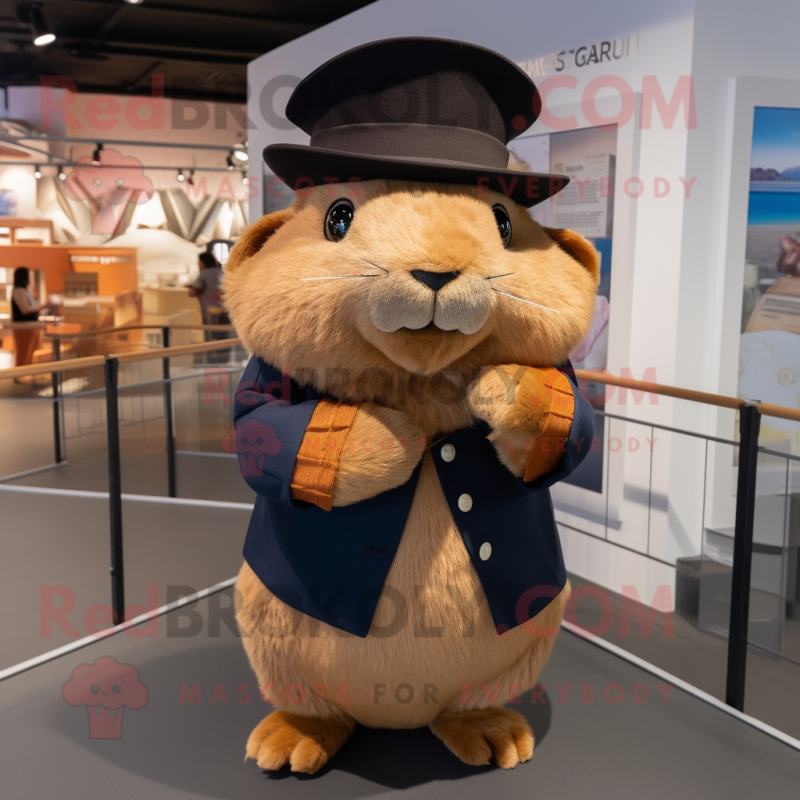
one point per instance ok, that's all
(769, 351)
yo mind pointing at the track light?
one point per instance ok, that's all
(62, 176)
(181, 176)
(229, 162)
(40, 33)
(134, 2)
(245, 179)
(37, 172)
(240, 153)
(96, 154)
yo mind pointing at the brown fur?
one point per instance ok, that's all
(477, 736)
(575, 245)
(432, 625)
(380, 453)
(306, 743)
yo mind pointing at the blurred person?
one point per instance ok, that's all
(24, 309)
(789, 258)
(206, 287)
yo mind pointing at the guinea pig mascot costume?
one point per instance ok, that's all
(407, 405)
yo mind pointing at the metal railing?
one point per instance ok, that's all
(87, 362)
(750, 413)
(110, 366)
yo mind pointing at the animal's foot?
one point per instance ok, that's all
(476, 736)
(305, 743)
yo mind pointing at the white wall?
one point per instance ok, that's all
(733, 38)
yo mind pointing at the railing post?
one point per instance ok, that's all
(749, 425)
(171, 490)
(111, 370)
(56, 376)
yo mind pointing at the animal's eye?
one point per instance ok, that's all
(94, 688)
(116, 688)
(338, 220)
(503, 224)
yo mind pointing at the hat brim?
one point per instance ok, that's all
(303, 166)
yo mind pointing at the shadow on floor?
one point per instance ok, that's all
(198, 746)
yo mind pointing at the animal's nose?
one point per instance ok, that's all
(434, 280)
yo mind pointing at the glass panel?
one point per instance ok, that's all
(659, 590)
(773, 659)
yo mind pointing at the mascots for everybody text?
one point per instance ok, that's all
(407, 405)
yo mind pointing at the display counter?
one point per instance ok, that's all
(169, 300)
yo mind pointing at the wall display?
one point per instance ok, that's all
(769, 354)
(8, 202)
(96, 203)
(588, 156)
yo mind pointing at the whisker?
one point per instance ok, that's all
(529, 302)
(338, 277)
(373, 265)
(504, 275)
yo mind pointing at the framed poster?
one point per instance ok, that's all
(757, 341)
(769, 348)
(586, 205)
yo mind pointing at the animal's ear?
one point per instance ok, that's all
(254, 236)
(573, 244)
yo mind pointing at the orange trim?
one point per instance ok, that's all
(318, 457)
(549, 447)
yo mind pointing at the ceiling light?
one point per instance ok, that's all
(181, 176)
(240, 153)
(96, 154)
(38, 172)
(245, 179)
(134, 2)
(40, 33)
(229, 162)
(62, 176)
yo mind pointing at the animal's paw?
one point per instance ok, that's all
(530, 411)
(305, 743)
(511, 398)
(476, 736)
(380, 453)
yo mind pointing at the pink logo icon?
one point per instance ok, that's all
(109, 184)
(106, 688)
(253, 441)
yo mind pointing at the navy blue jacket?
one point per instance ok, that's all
(332, 565)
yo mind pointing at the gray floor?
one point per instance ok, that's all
(772, 688)
(679, 749)
(63, 542)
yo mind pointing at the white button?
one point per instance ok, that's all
(786, 377)
(465, 502)
(448, 452)
(485, 552)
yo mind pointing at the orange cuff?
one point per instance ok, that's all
(318, 457)
(549, 447)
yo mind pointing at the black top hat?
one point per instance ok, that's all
(416, 109)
